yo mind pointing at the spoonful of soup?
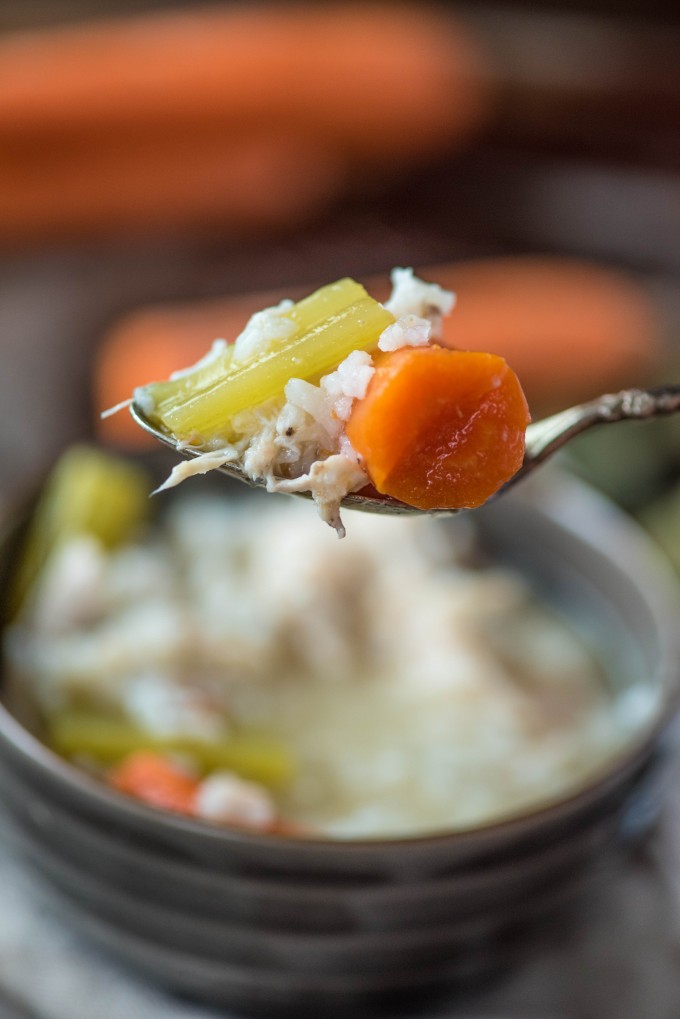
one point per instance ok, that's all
(354, 403)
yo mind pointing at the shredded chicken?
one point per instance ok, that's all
(328, 481)
(200, 464)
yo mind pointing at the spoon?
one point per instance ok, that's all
(543, 439)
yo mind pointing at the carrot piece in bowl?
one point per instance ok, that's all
(156, 780)
(440, 428)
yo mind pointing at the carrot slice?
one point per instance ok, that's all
(156, 780)
(440, 428)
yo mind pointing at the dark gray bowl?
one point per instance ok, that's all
(271, 925)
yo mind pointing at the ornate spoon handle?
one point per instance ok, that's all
(545, 437)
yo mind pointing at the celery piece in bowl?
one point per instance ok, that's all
(88, 492)
(106, 740)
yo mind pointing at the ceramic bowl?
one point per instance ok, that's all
(270, 925)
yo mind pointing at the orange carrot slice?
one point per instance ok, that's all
(440, 428)
(156, 780)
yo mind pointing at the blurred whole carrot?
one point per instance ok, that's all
(569, 329)
(167, 182)
(109, 110)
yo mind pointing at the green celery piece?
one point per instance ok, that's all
(88, 492)
(254, 756)
(315, 352)
(170, 392)
(171, 395)
(97, 493)
(326, 301)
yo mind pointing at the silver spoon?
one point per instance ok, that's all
(543, 438)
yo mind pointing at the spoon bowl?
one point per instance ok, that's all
(543, 439)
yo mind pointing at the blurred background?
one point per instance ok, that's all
(156, 159)
(166, 168)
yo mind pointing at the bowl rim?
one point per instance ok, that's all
(520, 868)
(575, 508)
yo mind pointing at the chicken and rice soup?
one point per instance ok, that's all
(406, 688)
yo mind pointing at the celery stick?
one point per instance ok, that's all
(96, 493)
(171, 395)
(168, 393)
(326, 301)
(88, 492)
(313, 353)
(107, 740)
